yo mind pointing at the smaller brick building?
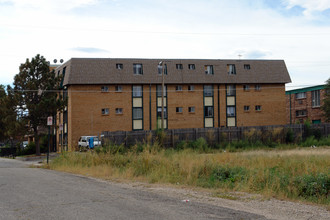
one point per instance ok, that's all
(305, 103)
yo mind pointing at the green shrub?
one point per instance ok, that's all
(289, 136)
(231, 174)
(313, 185)
(200, 144)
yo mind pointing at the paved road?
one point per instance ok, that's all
(33, 193)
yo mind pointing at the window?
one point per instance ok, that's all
(191, 66)
(246, 87)
(179, 66)
(257, 87)
(119, 66)
(208, 90)
(178, 88)
(104, 88)
(301, 95)
(119, 111)
(137, 113)
(316, 98)
(247, 66)
(191, 109)
(159, 90)
(231, 90)
(208, 69)
(105, 111)
(258, 107)
(119, 88)
(159, 112)
(231, 69)
(208, 111)
(246, 108)
(160, 69)
(300, 113)
(137, 69)
(191, 88)
(178, 109)
(137, 91)
(231, 111)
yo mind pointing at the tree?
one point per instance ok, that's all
(326, 101)
(11, 125)
(3, 97)
(36, 89)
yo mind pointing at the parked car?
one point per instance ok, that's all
(84, 141)
(25, 143)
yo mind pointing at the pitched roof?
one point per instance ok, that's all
(104, 71)
(306, 89)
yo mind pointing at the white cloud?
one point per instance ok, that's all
(50, 4)
(310, 6)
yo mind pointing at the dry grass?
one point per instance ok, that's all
(272, 173)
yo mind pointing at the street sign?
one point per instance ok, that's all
(50, 121)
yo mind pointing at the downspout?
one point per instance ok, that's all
(150, 107)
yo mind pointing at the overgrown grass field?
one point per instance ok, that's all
(295, 174)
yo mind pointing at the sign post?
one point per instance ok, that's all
(49, 124)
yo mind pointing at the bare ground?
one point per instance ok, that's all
(253, 203)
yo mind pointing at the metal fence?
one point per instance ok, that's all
(213, 136)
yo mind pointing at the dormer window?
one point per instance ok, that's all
(231, 69)
(208, 69)
(119, 66)
(191, 66)
(179, 66)
(137, 69)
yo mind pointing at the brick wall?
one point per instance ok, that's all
(86, 102)
(312, 113)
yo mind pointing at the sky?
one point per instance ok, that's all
(296, 31)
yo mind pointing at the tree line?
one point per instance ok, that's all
(25, 106)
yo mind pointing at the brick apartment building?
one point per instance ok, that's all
(305, 103)
(125, 95)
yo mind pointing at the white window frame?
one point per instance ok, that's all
(179, 110)
(231, 69)
(316, 100)
(105, 111)
(209, 69)
(246, 108)
(191, 66)
(257, 87)
(301, 95)
(119, 66)
(258, 108)
(191, 88)
(179, 66)
(119, 111)
(119, 88)
(246, 88)
(137, 69)
(105, 88)
(191, 109)
(178, 88)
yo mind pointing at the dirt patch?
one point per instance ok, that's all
(253, 203)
